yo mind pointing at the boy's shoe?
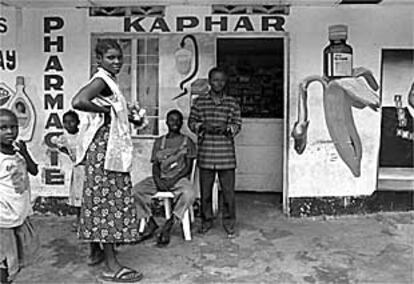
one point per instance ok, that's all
(231, 232)
(149, 230)
(231, 235)
(163, 240)
(205, 227)
(164, 237)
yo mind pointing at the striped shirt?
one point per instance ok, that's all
(215, 151)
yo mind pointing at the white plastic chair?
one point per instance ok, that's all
(215, 201)
(216, 188)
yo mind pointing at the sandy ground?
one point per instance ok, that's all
(269, 248)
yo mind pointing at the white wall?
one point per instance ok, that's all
(27, 35)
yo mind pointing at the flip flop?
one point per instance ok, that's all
(123, 275)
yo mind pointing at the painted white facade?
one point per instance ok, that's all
(314, 173)
(370, 29)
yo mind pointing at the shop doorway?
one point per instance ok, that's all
(395, 188)
(257, 77)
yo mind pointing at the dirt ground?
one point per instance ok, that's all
(269, 248)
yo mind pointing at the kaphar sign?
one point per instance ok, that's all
(206, 24)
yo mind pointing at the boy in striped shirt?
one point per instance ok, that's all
(215, 119)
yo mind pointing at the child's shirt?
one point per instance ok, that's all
(71, 142)
(14, 190)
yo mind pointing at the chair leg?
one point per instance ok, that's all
(186, 226)
(215, 196)
(167, 208)
(142, 224)
(191, 210)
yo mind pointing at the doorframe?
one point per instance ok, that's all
(286, 102)
(286, 72)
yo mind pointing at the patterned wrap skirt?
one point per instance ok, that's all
(108, 212)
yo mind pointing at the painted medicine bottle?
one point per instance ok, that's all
(24, 110)
(337, 56)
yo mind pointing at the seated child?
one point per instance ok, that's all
(68, 143)
(18, 243)
(172, 163)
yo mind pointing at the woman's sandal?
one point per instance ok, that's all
(123, 275)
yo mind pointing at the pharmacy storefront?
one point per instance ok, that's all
(305, 135)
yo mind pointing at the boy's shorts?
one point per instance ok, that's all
(18, 247)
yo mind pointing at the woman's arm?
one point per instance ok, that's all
(83, 99)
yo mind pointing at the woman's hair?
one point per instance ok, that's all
(177, 112)
(72, 114)
(104, 44)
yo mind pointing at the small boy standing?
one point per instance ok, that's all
(18, 243)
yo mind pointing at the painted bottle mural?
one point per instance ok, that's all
(22, 106)
(337, 56)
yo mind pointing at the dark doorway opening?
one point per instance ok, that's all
(255, 67)
(256, 72)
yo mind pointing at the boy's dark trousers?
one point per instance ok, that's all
(227, 183)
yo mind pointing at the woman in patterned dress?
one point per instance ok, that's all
(108, 215)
